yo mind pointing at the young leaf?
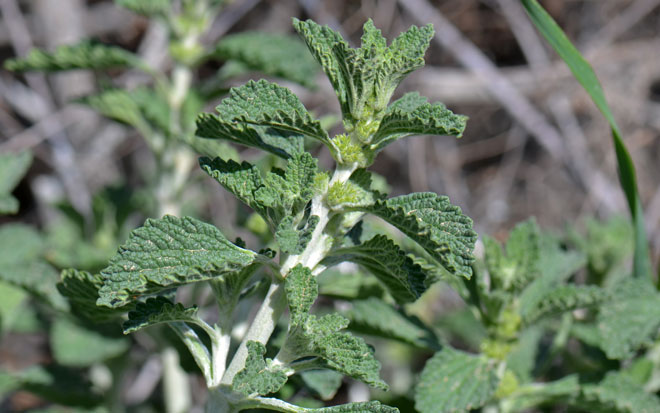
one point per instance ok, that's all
(12, 169)
(269, 53)
(293, 239)
(567, 298)
(619, 393)
(454, 381)
(84, 55)
(554, 392)
(361, 407)
(630, 319)
(515, 269)
(166, 253)
(435, 224)
(82, 290)
(259, 377)
(403, 120)
(146, 7)
(384, 259)
(76, 346)
(256, 114)
(377, 318)
(157, 310)
(309, 336)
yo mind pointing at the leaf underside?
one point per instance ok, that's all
(156, 310)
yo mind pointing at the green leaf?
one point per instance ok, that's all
(81, 289)
(348, 286)
(365, 78)
(404, 279)
(454, 381)
(324, 383)
(292, 239)
(167, 253)
(273, 54)
(435, 224)
(377, 318)
(567, 298)
(402, 119)
(522, 358)
(12, 168)
(619, 393)
(263, 115)
(630, 319)
(158, 310)
(514, 269)
(309, 336)
(76, 346)
(259, 377)
(361, 407)
(146, 7)
(554, 392)
(84, 55)
(584, 73)
(242, 180)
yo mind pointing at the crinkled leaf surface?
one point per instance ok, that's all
(274, 54)
(630, 319)
(362, 407)
(293, 239)
(166, 253)
(76, 346)
(435, 224)
(277, 197)
(309, 336)
(157, 310)
(568, 298)
(375, 317)
(263, 115)
(259, 377)
(412, 115)
(12, 169)
(454, 381)
(365, 78)
(404, 279)
(620, 394)
(84, 55)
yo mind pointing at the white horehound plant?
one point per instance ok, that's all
(310, 212)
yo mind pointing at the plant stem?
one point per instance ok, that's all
(261, 328)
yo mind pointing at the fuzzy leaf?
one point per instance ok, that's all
(361, 407)
(630, 319)
(514, 269)
(435, 224)
(403, 120)
(377, 318)
(258, 114)
(146, 7)
(82, 290)
(567, 298)
(76, 346)
(12, 169)
(309, 336)
(166, 253)
(294, 240)
(620, 394)
(84, 55)
(384, 259)
(454, 381)
(364, 79)
(273, 54)
(242, 180)
(259, 376)
(554, 392)
(157, 310)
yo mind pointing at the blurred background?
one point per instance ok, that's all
(535, 144)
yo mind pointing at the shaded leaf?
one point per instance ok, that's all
(324, 383)
(259, 376)
(81, 289)
(384, 259)
(454, 381)
(618, 393)
(12, 168)
(76, 346)
(146, 7)
(157, 310)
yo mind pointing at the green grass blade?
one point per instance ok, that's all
(584, 73)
